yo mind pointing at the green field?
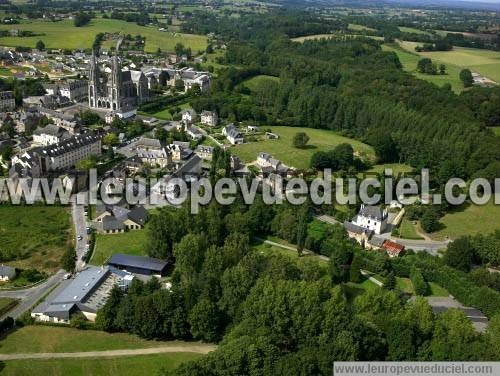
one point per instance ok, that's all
(39, 338)
(166, 115)
(485, 62)
(496, 130)
(254, 82)
(407, 230)
(36, 236)
(409, 60)
(282, 149)
(472, 220)
(397, 168)
(131, 242)
(63, 34)
(138, 365)
(356, 27)
(437, 290)
(413, 30)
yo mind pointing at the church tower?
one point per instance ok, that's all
(93, 81)
(116, 83)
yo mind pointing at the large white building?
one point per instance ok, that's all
(58, 157)
(371, 218)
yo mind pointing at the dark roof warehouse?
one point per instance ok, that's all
(138, 264)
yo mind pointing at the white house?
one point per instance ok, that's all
(189, 116)
(372, 218)
(7, 273)
(50, 134)
(232, 134)
(209, 118)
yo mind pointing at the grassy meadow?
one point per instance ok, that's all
(254, 82)
(409, 60)
(485, 62)
(471, 220)
(36, 236)
(413, 30)
(282, 148)
(6, 304)
(52, 339)
(121, 366)
(131, 242)
(63, 34)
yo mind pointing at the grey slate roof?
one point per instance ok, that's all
(376, 241)
(351, 227)
(142, 262)
(110, 223)
(374, 212)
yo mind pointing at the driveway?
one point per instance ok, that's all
(30, 296)
(198, 348)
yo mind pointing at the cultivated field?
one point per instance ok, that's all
(132, 243)
(485, 62)
(409, 61)
(34, 236)
(64, 34)
(138, 365)
(320, 140)
(474, 219)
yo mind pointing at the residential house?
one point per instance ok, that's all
(232, 134)
(393, 249)
(113, 219)
(7, 273)
(68, 122)
(194, 132)
(209, 118)
(50, 134)
(372, 218)
(7, 101)
(204, 152)
(189, 116)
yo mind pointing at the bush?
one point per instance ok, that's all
(419, 285)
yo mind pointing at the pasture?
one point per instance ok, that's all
(256, 81)
(131, 242)
(485, 62)
(409, 61)
(469, 220)
(282, 148)
(34, 236)
(63, 34)
(412, 30)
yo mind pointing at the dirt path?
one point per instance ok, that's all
(198, 348)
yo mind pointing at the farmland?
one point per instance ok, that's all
(83, 37)
(282, 148)
(34, 236)
(485, 62)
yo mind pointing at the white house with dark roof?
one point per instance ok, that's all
(50, 134)
(7, 273)
(372, 218)
(189, 116)
(232, 134)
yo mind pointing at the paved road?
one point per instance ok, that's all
(80, 224)
(198, 348)
(30, 296)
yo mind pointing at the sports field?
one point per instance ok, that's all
(64, 34)
(282, 148)
(409, 60)
(485, 62)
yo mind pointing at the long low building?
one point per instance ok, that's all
(88, 292)
(138, 264)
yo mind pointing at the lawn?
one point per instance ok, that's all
(131, 242)
(255, 82)
(34, 236)
(409, 61)
(485, 62)
(166, 115)
(282, 148)
(121, 366)
(397, 168)
(474, 219)
(437, 290)
(39, 338)
(407, 230)
(496, 130)
(6, 304)
(405, 285)
(83, 37)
